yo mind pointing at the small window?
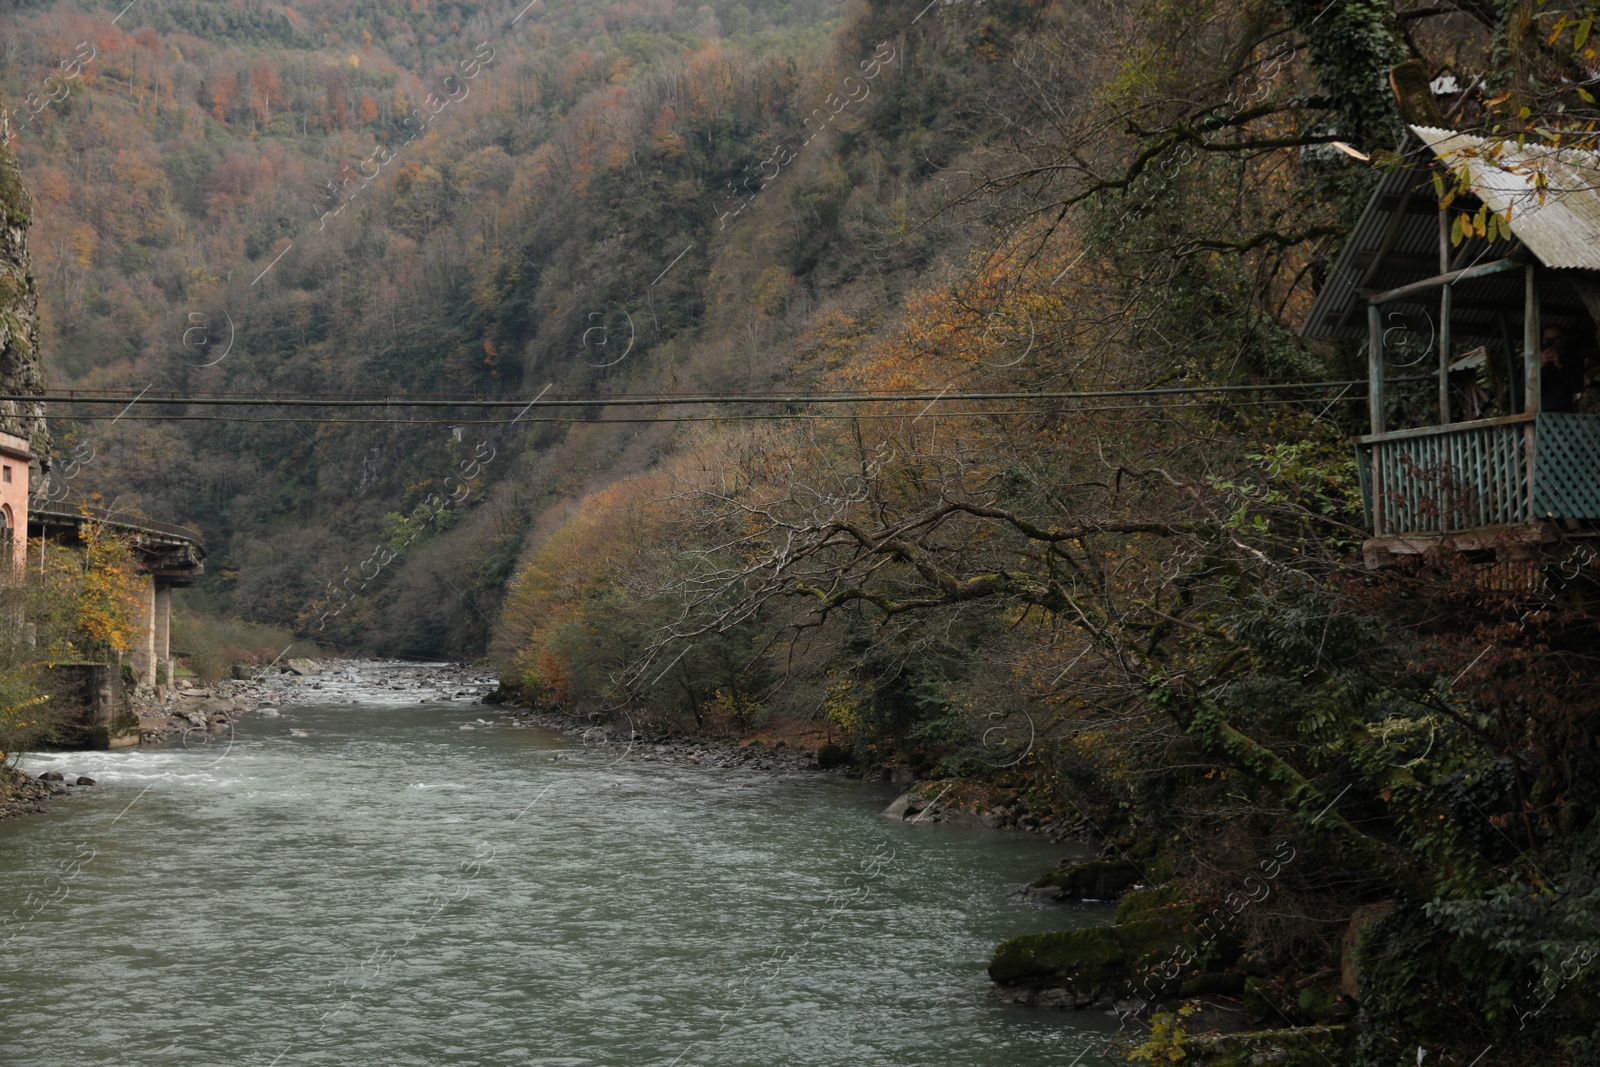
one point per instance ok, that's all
(7, 477)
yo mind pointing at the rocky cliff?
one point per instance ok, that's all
(21, 370)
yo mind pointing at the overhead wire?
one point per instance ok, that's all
(724, 417)
(634, 400)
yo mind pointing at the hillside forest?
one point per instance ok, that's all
(1133, 599)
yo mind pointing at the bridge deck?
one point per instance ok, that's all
(175, 553)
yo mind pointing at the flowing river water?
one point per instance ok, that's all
(368, 883)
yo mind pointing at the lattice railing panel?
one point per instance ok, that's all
(1566, 461)
(1456, 478)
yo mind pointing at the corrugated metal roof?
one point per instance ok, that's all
(1562, 226)
(1392, 224)
(1399, 231)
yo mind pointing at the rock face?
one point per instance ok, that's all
(21, 371)
(1350, 971)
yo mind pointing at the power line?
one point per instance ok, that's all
(745, 417)
(543, 401)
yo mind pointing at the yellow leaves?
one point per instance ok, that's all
(1484, 223)
(82, 241)
(610, 542)
(1580, 31)
(110, 594)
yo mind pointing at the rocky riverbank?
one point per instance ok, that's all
(172, 712)
(648, 747)
(808, 751)
(23, 794)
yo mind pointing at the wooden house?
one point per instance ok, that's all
(1508, 468)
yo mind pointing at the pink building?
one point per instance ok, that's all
(14, 460)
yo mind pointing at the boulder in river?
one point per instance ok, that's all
(52, 776)
(84, 779)
(304, 667)
(905, 806)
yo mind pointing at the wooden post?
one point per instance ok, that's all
(1375, 366)
(1530, 341)
(1444, 356)
(1444, 318)
(1530, 360)
(1444, 239)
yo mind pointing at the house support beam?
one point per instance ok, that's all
(1530, 341)
(1438, 281)
(1375, 366)
(1444, 356)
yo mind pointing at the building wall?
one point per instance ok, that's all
(14, 461)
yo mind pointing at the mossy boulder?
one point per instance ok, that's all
(1147, 903)
(1095, 880)
(831, 755)
(1156, 951)
(1308, 1046)
(1093, 966)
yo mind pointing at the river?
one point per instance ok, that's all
(371, 884)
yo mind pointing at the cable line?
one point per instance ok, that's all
(732, 417)
(542, 401)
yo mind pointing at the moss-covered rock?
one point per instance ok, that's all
(1157, 951)
(831, 755)
(1095, 880)
(1092, 967)
(1310, 1046)
(1145, 903)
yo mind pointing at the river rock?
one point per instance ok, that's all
(52, 776)
(905, 806)
(304, 667)
(1095, 880)
(84, 779)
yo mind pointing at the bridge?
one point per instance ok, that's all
(169, 557)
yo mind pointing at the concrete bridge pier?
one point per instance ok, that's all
(163, 632)
(152, 655)
(143, 655)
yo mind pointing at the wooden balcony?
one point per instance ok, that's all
(1478, 483)
(1518, 489)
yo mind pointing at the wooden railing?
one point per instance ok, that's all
(1494, 472)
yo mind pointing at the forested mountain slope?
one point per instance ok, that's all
(205, 223)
